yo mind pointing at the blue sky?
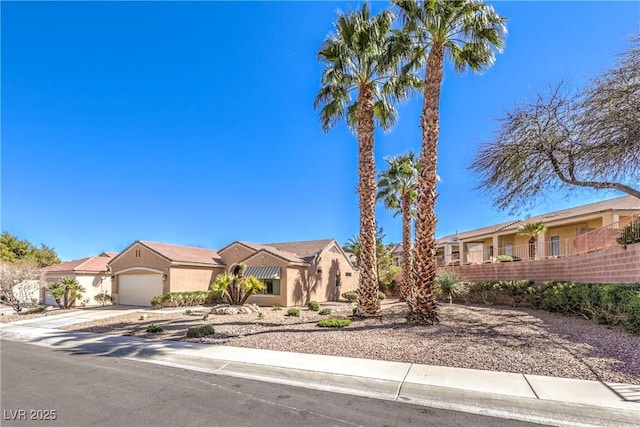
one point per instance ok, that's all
(192, 123)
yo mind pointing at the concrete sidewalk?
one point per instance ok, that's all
(533, 398)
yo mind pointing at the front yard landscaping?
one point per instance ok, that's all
(469, 336)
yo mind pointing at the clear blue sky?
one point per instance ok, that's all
(192, 123)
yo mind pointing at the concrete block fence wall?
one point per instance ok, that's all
(612, 265)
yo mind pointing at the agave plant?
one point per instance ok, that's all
(449, 283)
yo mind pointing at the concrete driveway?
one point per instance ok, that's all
(77, 316)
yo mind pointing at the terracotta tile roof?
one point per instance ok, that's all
(625, 203)
(306, 250)
(286, 255)
(177, 253)
(95, 264)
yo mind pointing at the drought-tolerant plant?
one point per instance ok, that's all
(200, 331)
(351, 296)
(66, 291)
(276, 308)
(103, 299)
(449, 284)
(154, 328)
(515, 289)
(313, 305)
(235, 288)
(382, 295)
(334, 322)
(293, 312)
(325, 312)
(157, 301)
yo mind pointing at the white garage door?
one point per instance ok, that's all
(138, 289)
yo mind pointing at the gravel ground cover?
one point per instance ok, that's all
(14, 317)
(478, 337)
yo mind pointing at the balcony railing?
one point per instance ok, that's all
(604, 237)
(528, 252)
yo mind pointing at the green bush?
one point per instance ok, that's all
(504, 258)
(34, 310)
(157, 301)
(276, 308)
(351, 296)
(515, 289)
(382, 295)
(334, 322)
(153, 328)
(293, 312)
(103, 299)
(325, 311)
(630, 234)
(313, 305)
(200, 331)
(449, 284)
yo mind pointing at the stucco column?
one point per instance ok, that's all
(496, 245)
(447, 253)
(461, 250)
(543, 244)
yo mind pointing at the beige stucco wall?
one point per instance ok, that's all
(129, 263)
(192, 278)
(235, 253)
(93, 285)
(262, 259)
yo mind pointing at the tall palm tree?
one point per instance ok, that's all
(397, 189)
(532, 230)
(467, 32)
(358, 59)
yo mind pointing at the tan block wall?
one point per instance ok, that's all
(192, 278)
(612, 265)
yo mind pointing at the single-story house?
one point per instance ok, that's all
(91, 273)
(293, 272)
(568, 232)
(146, 269)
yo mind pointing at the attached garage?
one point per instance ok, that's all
(138, 289)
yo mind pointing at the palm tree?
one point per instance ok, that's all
(358, 59)
(532, 230)
(397, 189)
(467, 32)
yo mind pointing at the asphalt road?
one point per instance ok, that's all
(39, 384)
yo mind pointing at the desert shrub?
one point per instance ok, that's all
(187, 298)
(276, 308)
(630, 234)
(488, 291)
(382, 295)
(325, 311)
(103, 299)
(157, 301)
(313, 305)
(154, 328)
(515, 289)
(200, 331)
(449, 284)
(34, 310)
(334, 322)
(293, 312)
(351, 295)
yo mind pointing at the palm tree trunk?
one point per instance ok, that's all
(407, 274)
(369, 302)
(422, 304)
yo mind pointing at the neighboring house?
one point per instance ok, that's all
(294, 272)
(569, 232)
(146, 269)
(90, 272)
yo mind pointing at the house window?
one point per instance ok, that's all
(508, 249)
(555, 245)
(490, 251)
(271, 287)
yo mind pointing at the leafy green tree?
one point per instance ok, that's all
(66, 291)
(397, 189)
(531, 230)
(13, 249)
(467, 32)
(360, 62)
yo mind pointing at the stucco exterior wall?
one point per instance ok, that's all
(192, 278)
(262, 259)
(235, 253)
(612, 265)
(93, 285)
(137, 260)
